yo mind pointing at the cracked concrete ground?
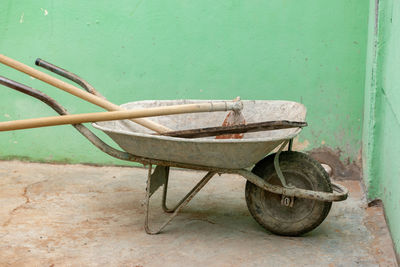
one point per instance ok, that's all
(74, 215)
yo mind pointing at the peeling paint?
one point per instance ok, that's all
(21, 20)
(340, 170)
(300, 146)
(45, 12)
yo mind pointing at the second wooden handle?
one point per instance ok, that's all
(113, 115)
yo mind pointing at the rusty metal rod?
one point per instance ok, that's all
(235, 129)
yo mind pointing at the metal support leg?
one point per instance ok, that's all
(164, 199)
(290, 146)
(278, 169)
(189, 196)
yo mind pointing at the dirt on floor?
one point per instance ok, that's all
(75, 215)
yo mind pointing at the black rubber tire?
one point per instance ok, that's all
(301, 171)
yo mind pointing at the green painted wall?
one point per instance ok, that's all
(307, 51)
(382, 130)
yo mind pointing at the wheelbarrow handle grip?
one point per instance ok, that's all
(96, 141)
(67, 74)
(34, 93)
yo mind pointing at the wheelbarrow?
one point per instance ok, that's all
(287, 192)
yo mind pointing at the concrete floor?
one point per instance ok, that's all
(72, 215)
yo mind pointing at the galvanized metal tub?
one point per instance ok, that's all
(221, 153)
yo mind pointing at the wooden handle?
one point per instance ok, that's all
(112, 115)
(77, 92)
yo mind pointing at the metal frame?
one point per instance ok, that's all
(278, 168)
(160, 175)
(153, 183)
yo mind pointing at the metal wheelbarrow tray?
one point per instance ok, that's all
(220, 153)
(287, 192)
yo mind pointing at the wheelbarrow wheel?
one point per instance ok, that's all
(283, 215)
